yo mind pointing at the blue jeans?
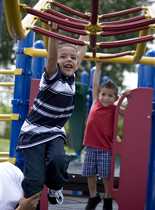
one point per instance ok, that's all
(45, 164)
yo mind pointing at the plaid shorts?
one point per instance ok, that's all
(97, 162)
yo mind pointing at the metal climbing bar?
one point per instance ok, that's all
(8, 159)
(128, 59)
(60, 15)
(121, 13)
(140, 48)
(53, 18)
(140, 23)
(70, 10)
(59, 36)
(68, 29)
(94, 12)
(94, 20)
(33, 52)
(7, 84)
(102, 57)
(126, 42)
(9, 117)
(127, 20)
(12, 72)
(121, 32)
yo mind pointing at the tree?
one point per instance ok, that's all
(113, 70)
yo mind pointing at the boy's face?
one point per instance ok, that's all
(67, 59)
(107, 96)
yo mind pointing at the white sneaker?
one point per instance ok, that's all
(55, 196)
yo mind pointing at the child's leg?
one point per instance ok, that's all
(107, 196)
(57, 164)
(34, 170)
(89, 170)
(92, 186)
(106, 187)
(56, 170)
(94, 199)
(104, 167)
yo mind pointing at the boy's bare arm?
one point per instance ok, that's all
(52, 54)
(82, 49)
(96, 80)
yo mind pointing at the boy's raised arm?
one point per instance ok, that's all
(96, 80)
(82, 49)
(52, 54)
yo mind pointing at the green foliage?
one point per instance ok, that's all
(6, 110)
(6, 45)
(4, 145)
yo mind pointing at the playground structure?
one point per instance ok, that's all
(27, 62)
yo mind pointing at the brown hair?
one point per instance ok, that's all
(110, 85)
(62, 43)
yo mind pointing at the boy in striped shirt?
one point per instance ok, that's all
(42, 135)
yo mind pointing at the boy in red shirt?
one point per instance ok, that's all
(98, 139)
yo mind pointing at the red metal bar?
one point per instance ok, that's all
(115, 33)
(70, 10)
(122, 43)
(49, 17)
(94, 13)
(68, 29)
(58, 14)
(94, 18)
(58, 36)
(128, 20)
(73, 30)
(93, 44)
(140, 23)
(121, 13)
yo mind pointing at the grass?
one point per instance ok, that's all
(4, 145)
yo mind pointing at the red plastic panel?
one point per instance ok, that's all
(44, 200)
(133, 150)
(33, 91)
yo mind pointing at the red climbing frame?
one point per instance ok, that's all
(133, 150)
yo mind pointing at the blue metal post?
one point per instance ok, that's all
(38, 63)
(20, 101)
(146, 78)
(84, 77)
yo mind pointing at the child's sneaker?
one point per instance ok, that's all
(55, 196)
(93, 202)
(107, 204)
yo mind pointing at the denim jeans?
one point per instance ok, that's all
(45, 164)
